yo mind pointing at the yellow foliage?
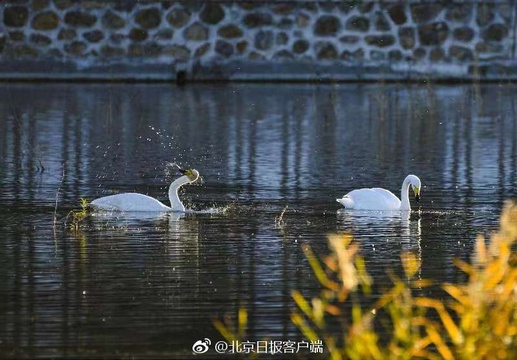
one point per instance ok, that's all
(478, 321)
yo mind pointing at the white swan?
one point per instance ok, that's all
(382, 199)
(139, 202)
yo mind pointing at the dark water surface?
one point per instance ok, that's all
(127, 286)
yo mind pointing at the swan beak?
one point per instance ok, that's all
(416, 190)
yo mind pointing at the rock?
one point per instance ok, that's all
(47, 20)
(325, 50)
(283, 55)
(148, 18)
(16, 35)
(178, 52)
(358, 23)
(349, 39)
(16, 16)
(264, 40)
(419, 53)
(357, 55)
(433, 33)
(437, 54)
(327, 25)
(495, 32)
(286, 23)
(407, 37)
(459, 12)
(423, 13)
(67, 34)
(300, 46)
(111, 20)
(80, 19)
(230, 31)
(212, 13)
(241, 47)
(178, 18)
(485, 14)
(196, 32)
(397, 13)
(200, 51)
(254, 20)
(302, 20)
(94, 36)
(284, 8)
(224, 48)
(63, 4)
(395, 55)
(165, 34)
(24, 51)
(117, 38)
(40, 5)
(381, 22)
(484, 47)
(463, 34)
(111, 51)
(461, 53)
(76, 48)
(380, 40)
(281, 39)
(138, 35)
(376, 55)
(40, 40)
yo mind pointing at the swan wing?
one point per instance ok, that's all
(370, 199)
(128, 202)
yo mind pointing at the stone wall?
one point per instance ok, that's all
(257, 40)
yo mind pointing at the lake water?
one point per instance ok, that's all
(128, 286)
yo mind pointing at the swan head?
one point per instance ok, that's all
(192, 174)
(416, 185)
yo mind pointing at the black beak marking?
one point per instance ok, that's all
(417, 198)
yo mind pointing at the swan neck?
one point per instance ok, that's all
(174, 198)
(404, 195)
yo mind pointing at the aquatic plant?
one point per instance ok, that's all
(77, 216)
(477, 320)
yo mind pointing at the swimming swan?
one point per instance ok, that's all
(139, 202)
(382, 199)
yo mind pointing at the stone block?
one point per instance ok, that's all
(196, 32)
(47, 20)
(264, 40)
(434, 33)
(463, 34)
(80, 19)
(178, 18)
(212, 13)
(138, 35)
(94, 36)
(113, 21)
(397, 13)
(16, 16)
(423, 13)
(300, 46)
(224, 48)
(258, 19)
(230, 31)
(380, 40)
(495, 32)
(358, 23)
(148, 18)
(327, 25)
(40, 39)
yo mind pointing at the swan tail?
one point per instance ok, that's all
(346, 202)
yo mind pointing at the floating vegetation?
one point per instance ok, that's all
(77, 216)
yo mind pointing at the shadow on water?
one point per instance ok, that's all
(127, 285)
